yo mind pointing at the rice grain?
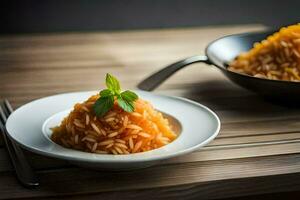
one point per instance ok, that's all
(276, 53)
(118, 132)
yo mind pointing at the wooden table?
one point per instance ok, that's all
(256, 152)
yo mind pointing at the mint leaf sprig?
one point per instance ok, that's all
(107, 97)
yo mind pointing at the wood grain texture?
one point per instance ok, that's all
(210, 190)
(257, 150)
(62, 182)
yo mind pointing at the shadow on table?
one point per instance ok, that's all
(220, 95)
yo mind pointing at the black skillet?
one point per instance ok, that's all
(219, 53)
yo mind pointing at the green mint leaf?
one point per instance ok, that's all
(107, 97)
(125, 105)
(129, 96)
(112, 83)
(105, 93)
(103, 105)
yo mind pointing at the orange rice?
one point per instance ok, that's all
(117, 132)
(277, 57)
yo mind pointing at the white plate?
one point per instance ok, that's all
(199, 125)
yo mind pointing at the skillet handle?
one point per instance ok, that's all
(157, 78)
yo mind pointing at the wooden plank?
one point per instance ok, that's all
(261, 127)
(273, 187)
(77, 181)
(254, 138)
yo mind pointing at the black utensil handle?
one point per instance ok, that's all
(157, 78)
(24, 172)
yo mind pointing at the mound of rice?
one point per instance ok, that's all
(277, 57)
(118, 132)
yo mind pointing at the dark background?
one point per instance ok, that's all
(89, 15)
